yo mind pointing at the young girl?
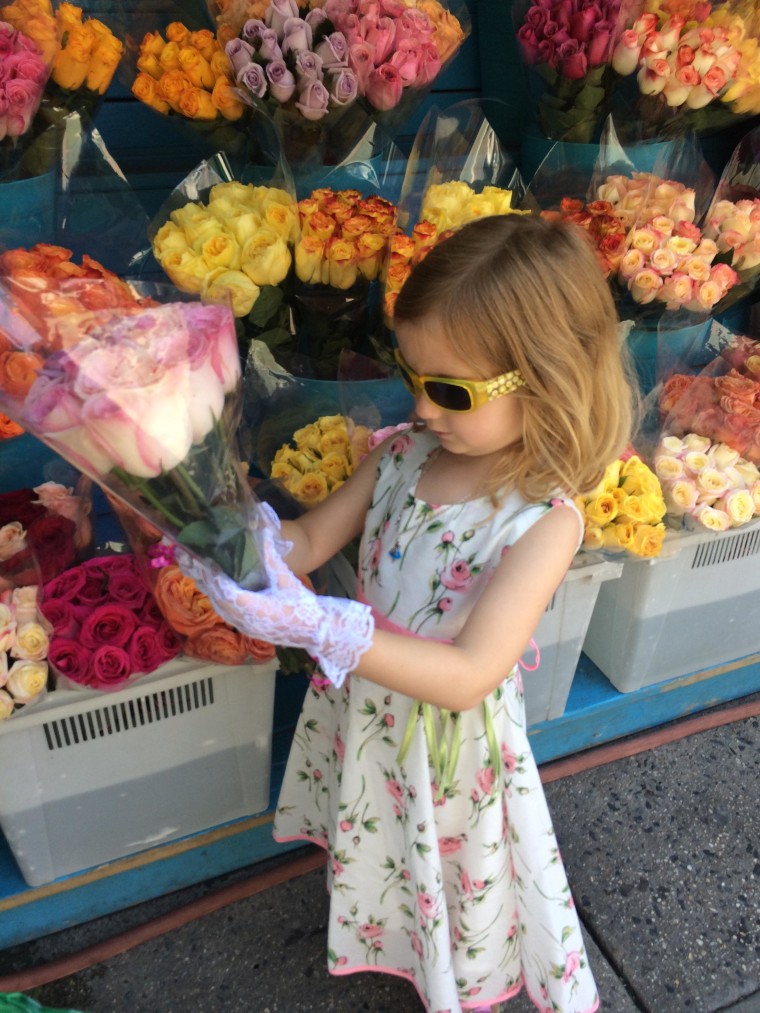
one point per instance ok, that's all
(417, 775)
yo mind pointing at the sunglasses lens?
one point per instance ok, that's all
(448, 396)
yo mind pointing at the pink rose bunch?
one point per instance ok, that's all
(706, 482)
(106, 626)
(569, 44)
(23, 75)
(145, 400)
(24, 643)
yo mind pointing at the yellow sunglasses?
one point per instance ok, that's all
(458, 395)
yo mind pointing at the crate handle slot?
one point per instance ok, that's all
(112, 719)
(724, 550)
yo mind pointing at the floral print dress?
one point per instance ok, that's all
(460, 888)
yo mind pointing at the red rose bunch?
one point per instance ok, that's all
(42, 532)
(106, 626)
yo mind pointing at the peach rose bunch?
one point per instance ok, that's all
(625, 511)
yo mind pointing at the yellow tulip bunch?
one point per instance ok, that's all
(344, 237)
(445, 206)
(231, 247)
(319, 458)
(186, 73)
(84, 53)
(625, 511)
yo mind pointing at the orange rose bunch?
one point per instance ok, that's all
(206, 636)
(8, 428)
(344, 237)
(187, 73)
(47, 285)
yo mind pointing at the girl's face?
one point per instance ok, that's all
(487, 430)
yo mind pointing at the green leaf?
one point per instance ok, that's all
(268, 303)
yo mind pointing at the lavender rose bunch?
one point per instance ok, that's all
(300, 63)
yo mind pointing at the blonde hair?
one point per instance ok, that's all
(522, 292)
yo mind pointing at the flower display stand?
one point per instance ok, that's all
(560, 636)
(679, 612)
(89, 777)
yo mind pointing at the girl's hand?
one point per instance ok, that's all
(336, 631)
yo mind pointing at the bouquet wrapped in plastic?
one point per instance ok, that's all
(225, 239)
(320, 69)
(24, 645)
(457, 171)
(625, 512)
(693, 65)
(567, 48)
(106, 628)
(145, 401)
(24, 74)
(83, 54)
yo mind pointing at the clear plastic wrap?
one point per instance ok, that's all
(146, 402)
(457, 170)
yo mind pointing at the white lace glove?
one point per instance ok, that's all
(335, 631)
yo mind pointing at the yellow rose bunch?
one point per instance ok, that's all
(625, 511)
(448, 34)
(741, 21)
(344, 237)
(84, 52)
(445, 206)
(187, 73)
(231, 247)
(319, 458)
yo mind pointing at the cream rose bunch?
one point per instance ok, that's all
(320, 457)
(230, 247)
(24, 642)
(625, 511)
(707, 483)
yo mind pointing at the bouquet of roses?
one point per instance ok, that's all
(234, 244)
(24, 644)
(708, 483)
(721, 405)
(105, 625)
(457, 171)
(310, 63)
(23, 75)
(186, 74)
(82, 51)
(625, 512)
(339, 256)
(567, 47)
(696, 64)
(42, 532)
(319, 458)
(146, 402)
(650, 246)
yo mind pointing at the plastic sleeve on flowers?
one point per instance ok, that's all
(335, 631)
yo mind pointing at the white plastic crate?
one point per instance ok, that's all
(90, 777)
(682, 612)
(560, 635)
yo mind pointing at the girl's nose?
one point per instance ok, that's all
(424, 408)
